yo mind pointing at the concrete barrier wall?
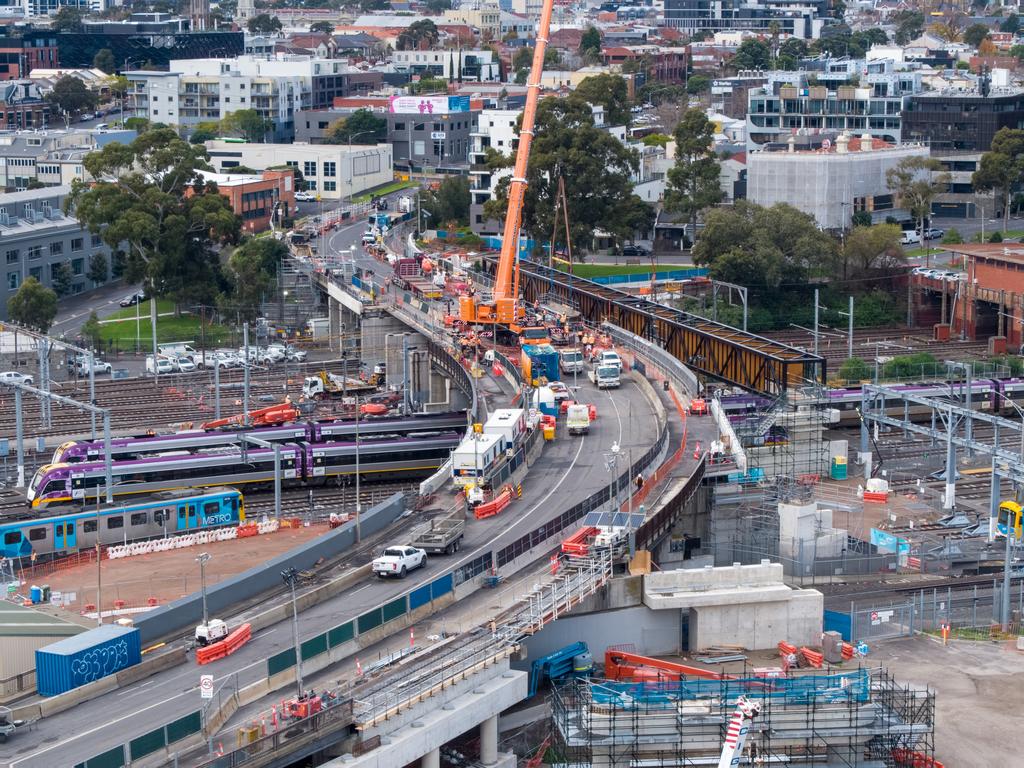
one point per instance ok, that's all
(656, 355)
(180, 615)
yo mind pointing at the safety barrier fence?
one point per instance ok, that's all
(147, 744)
(225, 647)
(191, 539)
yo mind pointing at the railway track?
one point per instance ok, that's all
(187, 398)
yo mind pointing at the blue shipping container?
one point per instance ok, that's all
(544, 360)
(85, 658)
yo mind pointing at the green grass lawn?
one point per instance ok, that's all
(603, 270)
(122, 331)
(386, 189)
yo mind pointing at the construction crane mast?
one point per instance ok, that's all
(504, 307)
(737, 730)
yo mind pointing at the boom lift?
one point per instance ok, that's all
(504, 307)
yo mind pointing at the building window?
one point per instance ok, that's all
(12, 256)
(35, 251)
(96, 241)
(330, 186)
(13, 280)
(399, 126)
(56, 248)
(37, 273)
(329, 169)
(76, 244)
(309, 168)
(77, 266)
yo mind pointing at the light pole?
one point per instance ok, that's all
(351, 165)
(359, 504)
(817, 306)
(290, 576)
(849, 336)
(203, 559)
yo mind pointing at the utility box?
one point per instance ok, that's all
(832, 647)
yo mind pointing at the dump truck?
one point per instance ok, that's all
(444, 535)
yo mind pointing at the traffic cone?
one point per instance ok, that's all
(359, 667)
(412, 637)
(696, 450)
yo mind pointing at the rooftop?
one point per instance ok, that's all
(21, 621)
(1009, 252)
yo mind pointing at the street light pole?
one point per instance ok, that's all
(203, 559)
(290, 576)
(359, 504)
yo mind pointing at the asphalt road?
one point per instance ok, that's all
(568, 471)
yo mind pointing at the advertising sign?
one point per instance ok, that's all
(428, 105)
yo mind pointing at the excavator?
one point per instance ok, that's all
(504, 307)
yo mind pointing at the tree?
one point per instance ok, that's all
(247, 124)
(34, 305)
(264, 24)
(610, 92)
(974, 34)
(854, 369)
(437, 7)
(137, 124)
(861, 219)
(1001, 169)
(693, 180)
(987, 48)
(952, 237)
(149, 198)
(752, 54)
(117, 85)
(373, 5)
(97, 269)
(104, 59)
(201, 134)
(916, 181)
(449, 204)
(252, 268)
(948, 30)
(590, 43)
(909, 25)
(70, 95)
(1010, 24)
(322, 26)
(62, 278)
(35, 183)
(698, 84)
(92, 331)
(419, 35)
(67, 19)
(595, 167)
(362, 126)
(763, 248)
(1017, 51)
(868, 249)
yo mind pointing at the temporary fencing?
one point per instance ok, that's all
(495, 505)
(225, 647)
(191, 539)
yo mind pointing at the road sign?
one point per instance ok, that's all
(206, 686)
(436, 135)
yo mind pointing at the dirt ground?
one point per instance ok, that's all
(172, 574)
(978, 689)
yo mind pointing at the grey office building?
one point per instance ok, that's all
(36, 237)
(437, 140)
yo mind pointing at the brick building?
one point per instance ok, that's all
(254, 196)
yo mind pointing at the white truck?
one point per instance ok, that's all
(214, 632)
(610, 357)
(605, 376)
(178, 349)
(571, 361)
(577, 419)
(398, 561)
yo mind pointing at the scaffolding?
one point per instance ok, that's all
(827, 718)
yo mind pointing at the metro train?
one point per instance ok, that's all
(301, 464)
(127, 448)
(64, 531)
(988, 394)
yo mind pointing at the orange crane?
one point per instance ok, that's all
(264, 417)
(504, 307)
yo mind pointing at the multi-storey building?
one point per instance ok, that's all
(481, 66)
(495, 129)
(796, 18)
(36, 237)
(431, 131)
(51, 157)
(259, 198)
(958, 121)
(330, 169)
(793, 101)
(33, 49)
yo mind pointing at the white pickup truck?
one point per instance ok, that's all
(398, 561)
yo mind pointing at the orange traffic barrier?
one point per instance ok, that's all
(225, 647)
(907, 757)
(495, 505)
(879, 497)
(245, 531)
(814, 658)
(577, 544)
(785, 648)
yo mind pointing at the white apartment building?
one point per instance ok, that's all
(496, 129)
(470, 65)
(332, 170)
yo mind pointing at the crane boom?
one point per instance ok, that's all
(736, 732)
(506, 282)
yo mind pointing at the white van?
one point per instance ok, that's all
(163, 365)
(178, 349)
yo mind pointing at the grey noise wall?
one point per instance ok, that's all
(183, 614)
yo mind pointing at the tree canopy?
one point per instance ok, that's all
(264, 24)
(33, 305)
(752, 54)
(322, 26)
(909, 25)
(67, 19)
(150, 198)
(916, 181)
(1001, 169)
(590, 43)
(595, 167)
(975, 33)
(251, 270)
(247, 124)
(362, 126)
(448, 204)
(693, 180)
(868, 249)
(419, 34)
(610, 92)
(70, 95)
(763, 248)
(104, 59)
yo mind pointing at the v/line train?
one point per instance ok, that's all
(986, 394)
(302, 463)
(65, 531)
(144, 446)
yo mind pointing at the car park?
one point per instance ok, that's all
(398, 561)
(14, 377)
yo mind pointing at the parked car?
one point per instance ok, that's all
(933, 233)
(560, 391)
(14, 377)
(398, 561)
(131, 301)
(98, 366)
(163, 365)
(635, 250)
(369, 238)
(184, 365)
(305, 197)
(909, 238)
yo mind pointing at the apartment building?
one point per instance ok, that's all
(794, 18)
(51, 157)
(495, 129)
(481, 66)
(329, 169)
(37, 237)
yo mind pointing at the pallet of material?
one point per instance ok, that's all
(721, 659)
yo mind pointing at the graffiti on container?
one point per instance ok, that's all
(99, 662)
